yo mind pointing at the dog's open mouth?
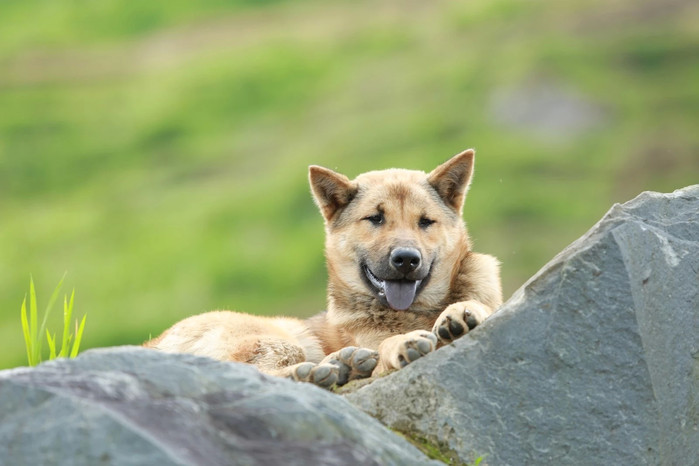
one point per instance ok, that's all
(398, 294)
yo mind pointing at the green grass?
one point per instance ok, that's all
(159, 151)
(34, 334)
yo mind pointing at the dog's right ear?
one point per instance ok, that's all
(331, 191)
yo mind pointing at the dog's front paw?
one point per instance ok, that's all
(323, 375)
(458, 319)
(416, 345)
(353, 363)
(400, 350)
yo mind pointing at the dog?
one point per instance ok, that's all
(403, 280)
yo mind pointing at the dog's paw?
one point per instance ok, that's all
(401, 350)
(416, 345)
(457, 320)
(323, 375)
(353, 363)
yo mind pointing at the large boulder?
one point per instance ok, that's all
(595, 360)
(132, 406)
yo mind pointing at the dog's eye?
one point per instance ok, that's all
(376, 220)
(424, 222)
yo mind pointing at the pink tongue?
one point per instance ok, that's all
(400, 294)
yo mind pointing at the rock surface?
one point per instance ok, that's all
(134, 406)
(593, 361)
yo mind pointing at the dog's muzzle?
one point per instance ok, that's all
(400, 290)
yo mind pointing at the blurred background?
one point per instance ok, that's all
(157, 151)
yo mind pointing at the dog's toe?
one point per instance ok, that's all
(324, 375)
(412, 354)
(471, 320)
(455, 328)
(302, 372)
(366, 367)
(365, 360)
(346, 353)
(424, 346)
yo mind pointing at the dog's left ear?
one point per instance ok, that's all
(452, 178)
(331, 191)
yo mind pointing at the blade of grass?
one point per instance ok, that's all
(25, 331)
(54, 296)
(67, 314)
(78, 337)
(33, 334)
(52, 345)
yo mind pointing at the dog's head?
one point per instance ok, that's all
(395, 235)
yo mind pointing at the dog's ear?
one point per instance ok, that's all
(452, 178)
(331, 191)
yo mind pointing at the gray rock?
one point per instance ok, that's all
(135, 406)
(593, 361)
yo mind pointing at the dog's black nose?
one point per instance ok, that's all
(405, 260)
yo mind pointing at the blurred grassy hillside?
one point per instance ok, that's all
(158, 150)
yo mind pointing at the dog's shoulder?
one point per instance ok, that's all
(478, 279)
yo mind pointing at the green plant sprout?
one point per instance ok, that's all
(33, 334)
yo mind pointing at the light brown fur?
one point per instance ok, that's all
(367, 220)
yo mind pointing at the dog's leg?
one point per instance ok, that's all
(283, 358)
(458, 318)
(277, 346)
(400, 350)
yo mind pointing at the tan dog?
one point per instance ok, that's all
(402, 277)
